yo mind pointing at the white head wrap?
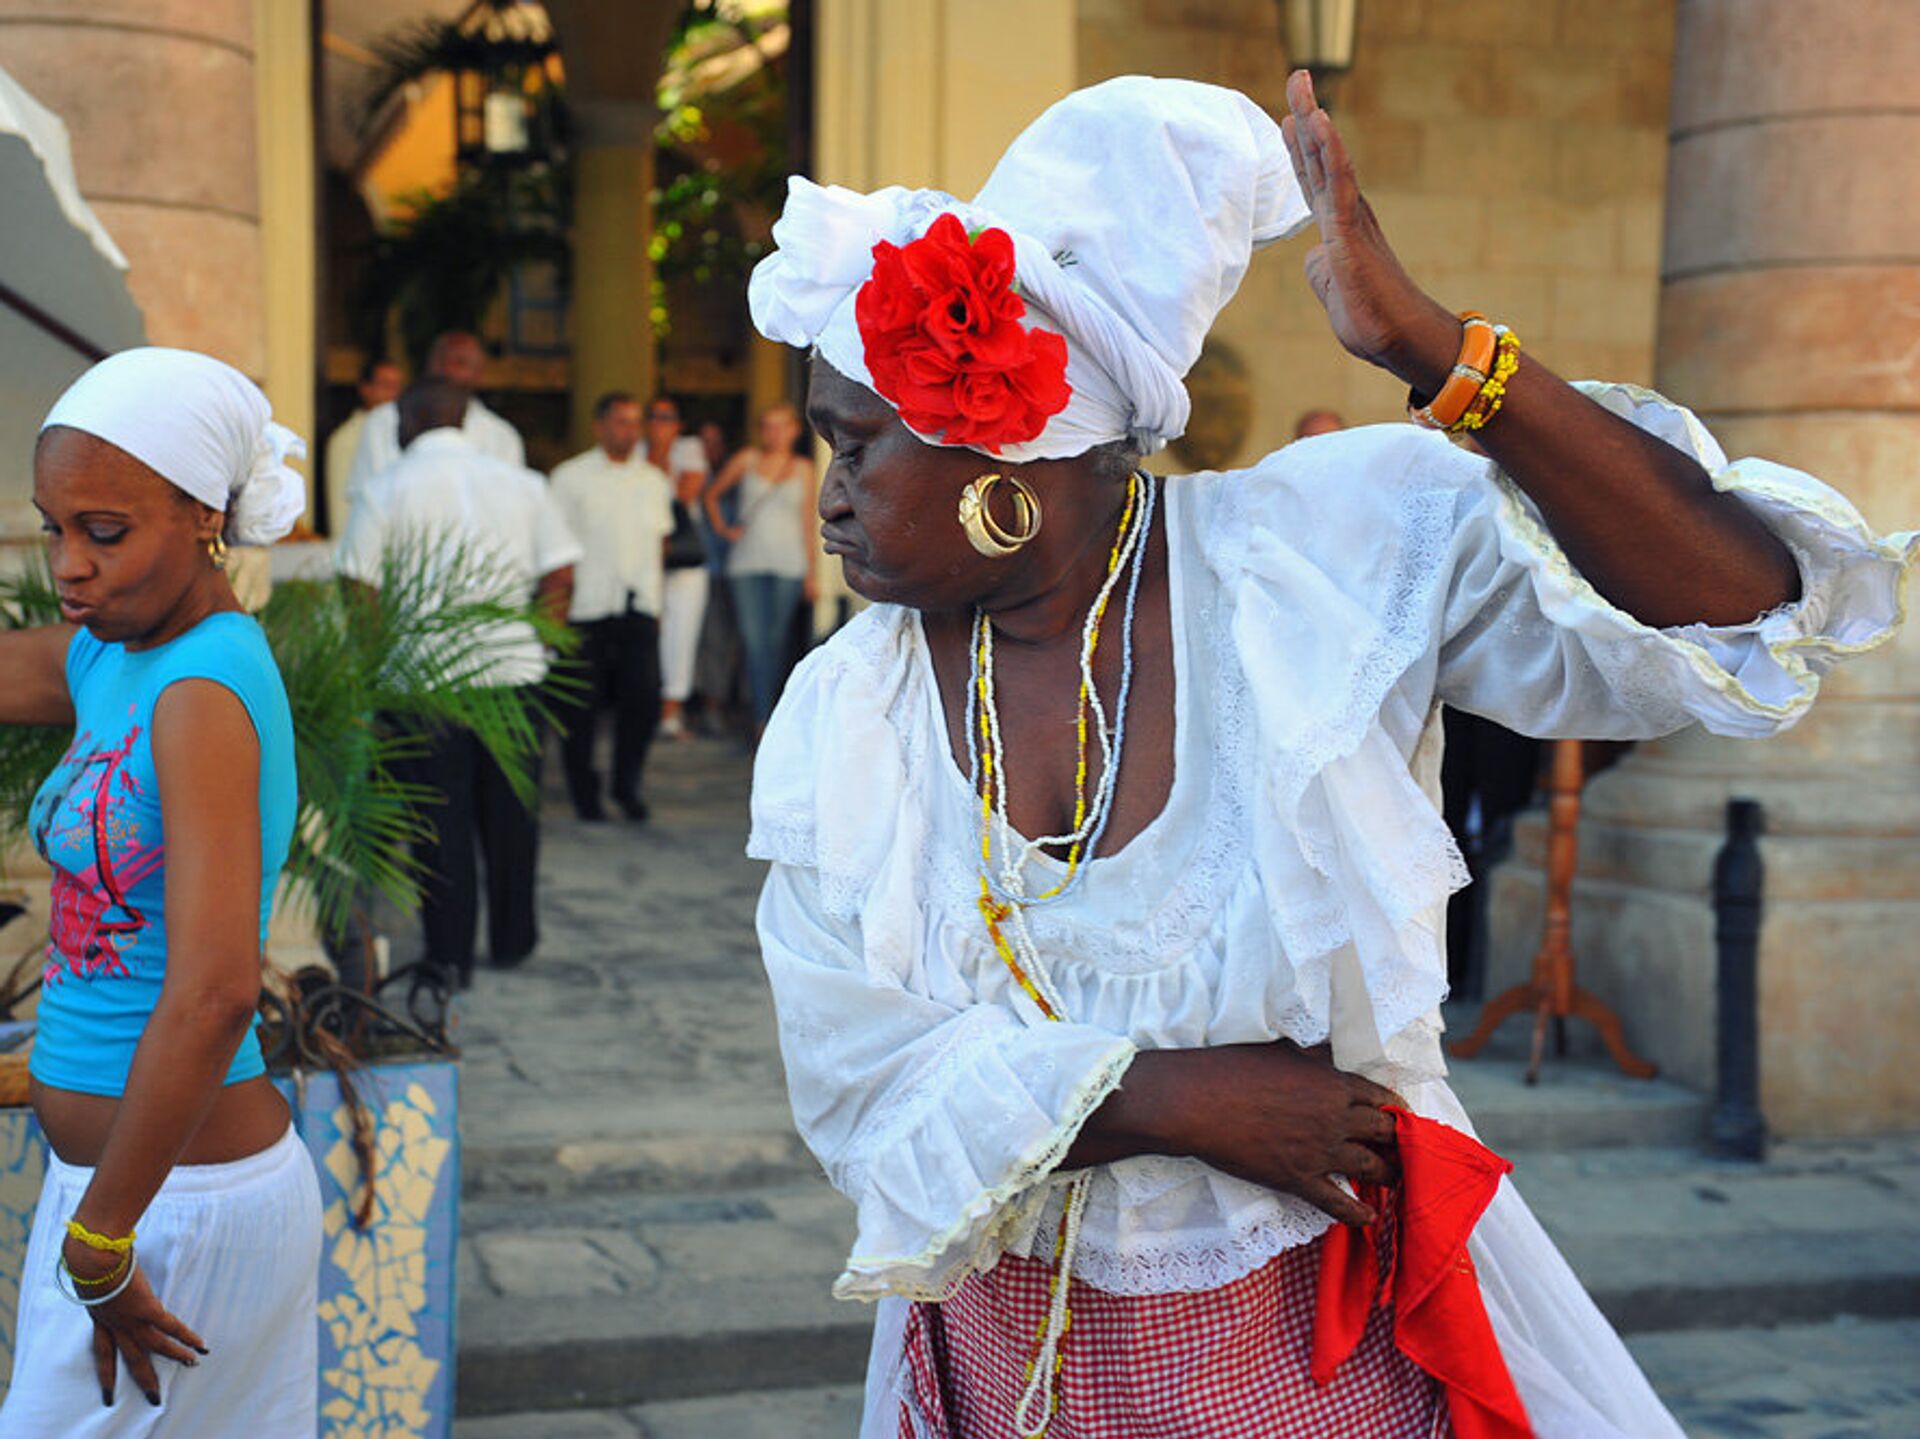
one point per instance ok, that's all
(1134, 207)
(200, 424)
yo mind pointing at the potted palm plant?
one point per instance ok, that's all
(366, 1058)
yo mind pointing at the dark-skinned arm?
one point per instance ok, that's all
(207, 757)
(730, 476)
(553, 594)
(1639, 519)
(1272, 1114)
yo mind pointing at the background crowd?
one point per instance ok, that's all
(682, 568)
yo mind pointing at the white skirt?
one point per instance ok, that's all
(681, 613)
(234, 1251)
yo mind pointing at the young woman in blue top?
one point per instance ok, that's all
(164, 827)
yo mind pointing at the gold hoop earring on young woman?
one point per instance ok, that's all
(217, 551)
(985, 533)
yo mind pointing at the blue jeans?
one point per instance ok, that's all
(764, 605)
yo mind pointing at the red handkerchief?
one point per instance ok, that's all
(1439, 1319)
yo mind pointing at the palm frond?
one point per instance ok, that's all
(370, 673)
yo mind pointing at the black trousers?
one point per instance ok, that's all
(619, 662)
(479, 808)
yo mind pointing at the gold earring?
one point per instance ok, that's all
(217, 551)
(984, 533)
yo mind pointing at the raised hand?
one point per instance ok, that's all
(1378, 313)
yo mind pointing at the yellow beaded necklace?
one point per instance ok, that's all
(1044, 1364)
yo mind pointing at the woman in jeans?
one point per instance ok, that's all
(771, 567)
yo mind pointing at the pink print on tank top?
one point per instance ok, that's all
(92, 921)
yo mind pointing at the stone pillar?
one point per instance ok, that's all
(928, 93)
(612, 226)
(283, 74)
(613, 56)
(1789, 317)
(159, 96)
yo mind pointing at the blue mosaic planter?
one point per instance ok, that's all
(386, 1291)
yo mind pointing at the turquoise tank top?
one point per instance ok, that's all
(96, 821)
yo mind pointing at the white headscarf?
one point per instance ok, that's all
(200, 424)
(1134, 208)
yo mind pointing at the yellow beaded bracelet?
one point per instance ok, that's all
(77, 1230)
(119, 1271)
(1493, 393)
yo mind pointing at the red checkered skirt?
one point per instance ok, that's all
(1227, 1363)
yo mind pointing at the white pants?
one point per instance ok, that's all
(234, 1251)
(681, 613)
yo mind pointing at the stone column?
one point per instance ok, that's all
(289, 243)
(1790, 319)
(612, 226)
(613, 56)
(928, 93)
(159, 97)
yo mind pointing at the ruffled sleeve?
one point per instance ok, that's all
(1370, 573)
(937, 1110)
(1528, 642)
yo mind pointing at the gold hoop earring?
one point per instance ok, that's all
(984, 533)
(217, 551)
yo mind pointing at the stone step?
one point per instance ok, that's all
(1673, 1239)
(615, 1299)
(1804, 1381)
(1844, 1379)
(831, 1412)
(709, 1162)
(612, 1300)
(667, 1147)
(1579, 1103)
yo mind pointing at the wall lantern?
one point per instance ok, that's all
(1319, 38)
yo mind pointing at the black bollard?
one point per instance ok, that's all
(1738, 1129)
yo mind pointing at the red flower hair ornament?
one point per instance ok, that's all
(940, 320)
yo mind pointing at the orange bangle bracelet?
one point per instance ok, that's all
(1469, 373)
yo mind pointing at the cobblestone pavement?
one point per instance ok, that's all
(1846, 1379)
(645, 1010)
(630, 1162)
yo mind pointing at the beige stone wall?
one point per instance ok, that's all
(159, 98)
(1789, 308)
(1515, 151)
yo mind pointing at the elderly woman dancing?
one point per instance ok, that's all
(1107, 872)
(179, 1203)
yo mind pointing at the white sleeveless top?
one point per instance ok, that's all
(775, 538)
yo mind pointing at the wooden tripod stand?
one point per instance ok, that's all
(1551, 994)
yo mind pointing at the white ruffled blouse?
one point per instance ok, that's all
(1325, 603)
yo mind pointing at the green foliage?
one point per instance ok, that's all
(368, 673)
(722, 162)
(444, 263)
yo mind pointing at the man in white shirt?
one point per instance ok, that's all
(460, 358)
(621, 507)
(491, 531)
(380, 383)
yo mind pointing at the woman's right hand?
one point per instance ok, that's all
(1273, 1114)
(134, 1326)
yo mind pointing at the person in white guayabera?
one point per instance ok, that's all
(1107, 866)
(177, 1239)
